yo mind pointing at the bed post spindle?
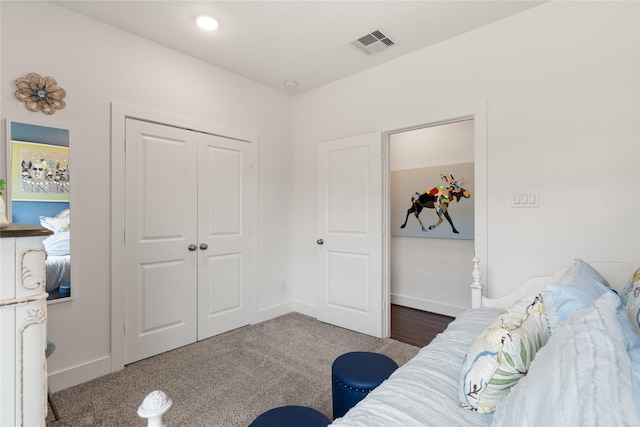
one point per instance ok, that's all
(153, 408)
(476, 286)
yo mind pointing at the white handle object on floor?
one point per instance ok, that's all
(153, 408)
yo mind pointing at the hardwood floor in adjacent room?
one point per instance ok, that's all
(416, 327)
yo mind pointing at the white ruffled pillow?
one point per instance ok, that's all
(501, 355)
(578, 287)
(582, 376)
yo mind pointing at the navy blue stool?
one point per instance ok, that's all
(51, 347)
(291, 416)
(354, 375)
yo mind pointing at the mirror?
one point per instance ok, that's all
(40, 189)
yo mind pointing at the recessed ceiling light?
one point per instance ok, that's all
(206, 22)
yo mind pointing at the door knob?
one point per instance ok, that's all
(320, 242)
(204, 246)
(192, 247)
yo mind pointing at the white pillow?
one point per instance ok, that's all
(58, 244)
(501, 355)
(582, 376)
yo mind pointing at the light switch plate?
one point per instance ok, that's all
(525, 198)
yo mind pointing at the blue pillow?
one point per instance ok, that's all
(578, 288)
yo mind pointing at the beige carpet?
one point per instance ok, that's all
(227, 380)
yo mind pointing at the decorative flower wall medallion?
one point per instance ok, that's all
(40, 93)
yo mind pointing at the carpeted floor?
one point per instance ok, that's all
(229, 379)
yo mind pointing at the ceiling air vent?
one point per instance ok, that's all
(373, 43)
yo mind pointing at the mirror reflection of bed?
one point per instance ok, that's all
(58, 264)
(40, 194)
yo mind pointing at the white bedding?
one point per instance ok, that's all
(583, 376)
(588, 373)
(431, 376)
(58, 247)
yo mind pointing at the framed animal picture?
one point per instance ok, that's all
(435, 202)
(40, 172)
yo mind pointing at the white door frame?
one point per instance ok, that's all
(441, 115)
(119, 112)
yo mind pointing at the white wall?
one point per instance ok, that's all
(561, 87)
(97, 64)
(425, 272)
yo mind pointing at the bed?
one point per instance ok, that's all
(58, 264)
(561, 350)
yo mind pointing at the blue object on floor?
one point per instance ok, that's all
(291, 416)
(51, 347)
(354, 375)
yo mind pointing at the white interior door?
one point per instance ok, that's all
(160, 224)
(224, 237)
(350, 233)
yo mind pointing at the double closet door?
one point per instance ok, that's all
(187, 237)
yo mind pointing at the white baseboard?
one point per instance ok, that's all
(306, 309)
(427, 305)
(285, 308)
(79, 374)
(273, 311)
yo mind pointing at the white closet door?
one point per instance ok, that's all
(350, 233)
(161, 223)
(223, 234)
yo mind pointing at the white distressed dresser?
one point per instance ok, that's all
(23, 326)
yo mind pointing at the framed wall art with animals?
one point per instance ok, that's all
(40, 172)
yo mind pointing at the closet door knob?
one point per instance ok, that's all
(192, 247)
(320, 242)
(204, 246)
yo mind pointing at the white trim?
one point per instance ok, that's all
(305, 308)
(440, 115)
(79, 374)
(5, 173)
(386, 238)
(428, 305)
(273, 311)
(119, 112)
(255, 226)
(118, 277)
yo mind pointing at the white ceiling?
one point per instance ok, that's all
(305, 41)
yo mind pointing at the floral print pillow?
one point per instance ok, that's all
(502, 353)
(631, 299)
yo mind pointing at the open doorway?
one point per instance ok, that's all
(431, 174)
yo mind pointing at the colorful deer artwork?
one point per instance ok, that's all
(438, 198)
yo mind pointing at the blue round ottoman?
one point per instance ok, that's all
(291, 416)
(354, 375)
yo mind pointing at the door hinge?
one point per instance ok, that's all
(124, 328)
